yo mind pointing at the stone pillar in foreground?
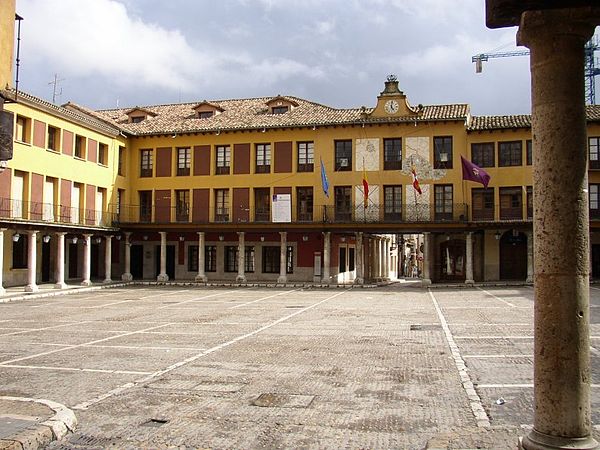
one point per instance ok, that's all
(60, 261)
(556, 39)
(283, 258)
(108, 259)
(201, 277)
(326, 256)
(241, 276)
(162, 276)
(87, 260)
(469, 259)
(360, 267)
(127, 274)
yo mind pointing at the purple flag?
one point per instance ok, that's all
(473, 173)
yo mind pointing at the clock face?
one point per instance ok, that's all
(391, 107)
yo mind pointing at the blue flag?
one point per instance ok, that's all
(324, 180)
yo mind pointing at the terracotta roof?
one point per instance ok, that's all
(80, 117)
(481, 123)
(253, 113)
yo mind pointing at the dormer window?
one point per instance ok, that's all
(279, 109)
(280, 105)
(137, 115)
(206, 110)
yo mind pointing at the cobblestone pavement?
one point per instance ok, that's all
(258, 367)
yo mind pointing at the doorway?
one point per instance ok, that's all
(595, 260)
(95, 253)
(170, 261)
(45, 261)
(346, 264)
(513, 256)
(453, 260)
(73, 261)
(137, 261)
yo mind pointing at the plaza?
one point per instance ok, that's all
(394, 366)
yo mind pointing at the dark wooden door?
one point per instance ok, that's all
(45, 262)
(95, 254)
(513, 256)
(73, 261)
(595, 260)
(137, 262)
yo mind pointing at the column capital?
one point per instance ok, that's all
(200, 233)
(60, 233)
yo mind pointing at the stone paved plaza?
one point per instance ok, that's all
(263, 367)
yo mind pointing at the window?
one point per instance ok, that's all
(223, 159)
(304, 204)
(205, 114)
(443, 197)
(529, 147)
(529, 202)
(249, 259)
(192, 258)
(263, 158)
(145, 163)
(262, 204)
(343, 203)
(483, 203)
(79, 147)
(442, 152)
(53, 138)
(210, 258)
(102, 154)
(121, 161)
(279, 109)
(19, 253)
(594, 147)
(392, 198)
(306, 158)
(184, 161)
(137, 119)
(511, 203)
(23, 129)
(482, 154)
(221, 205)
(271, 257)
(594, 201)
(231, 258)
(510, 154)
(343, 155)
(392, 154)
(145, 206)
(182, 205)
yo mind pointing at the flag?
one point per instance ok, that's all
(365, 184)
(416, 181)
(471, 172)
(324, 181)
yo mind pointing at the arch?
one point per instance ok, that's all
(513, 256)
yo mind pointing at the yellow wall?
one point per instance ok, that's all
(7, 39)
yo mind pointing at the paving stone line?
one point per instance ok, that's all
(475, 401)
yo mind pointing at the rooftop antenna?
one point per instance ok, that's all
(18, 18)
(55, 87)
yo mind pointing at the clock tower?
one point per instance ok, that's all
(392, 102)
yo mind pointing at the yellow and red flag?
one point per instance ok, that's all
(365, 183)
(416, 181)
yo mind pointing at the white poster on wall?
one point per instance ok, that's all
(282, 208)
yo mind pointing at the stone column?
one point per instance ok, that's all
(386, 258)
(427, 244)
(469, 259)
(31, 262)
(556, 38)
(108, 259)
(2, 230)
(241, 276)
(60, 261)
(127, 275)
(360, 268)
(326, 257)
(87, 259)
(162, 276)
(201, 277)
(376, 269)
(529, 235)
(283, 258)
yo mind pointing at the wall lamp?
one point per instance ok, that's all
(16, 237)
(46, 238)
(497, 235)
(98, 240)
(145, 237)
(181, 238)
(118, 237)
(74, 240)
(221, 237)
(305, 238)
(262, 239)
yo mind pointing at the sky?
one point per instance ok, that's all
(125, 53)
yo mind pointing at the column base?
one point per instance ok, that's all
(126, 277)
(359, 280)
(32, 288)
(107, 280)
(86, 283)
(2, 290)
(529, 281)
(469, 282)
(201, 278)
(162, 278)
(60, 285)
(540, 441)
(425, 282)
(282, 280)
(240, 279)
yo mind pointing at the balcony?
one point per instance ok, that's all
(50, 213)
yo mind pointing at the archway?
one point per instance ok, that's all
(452, 260)
(513, 256)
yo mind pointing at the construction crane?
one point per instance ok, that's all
(590, 69)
